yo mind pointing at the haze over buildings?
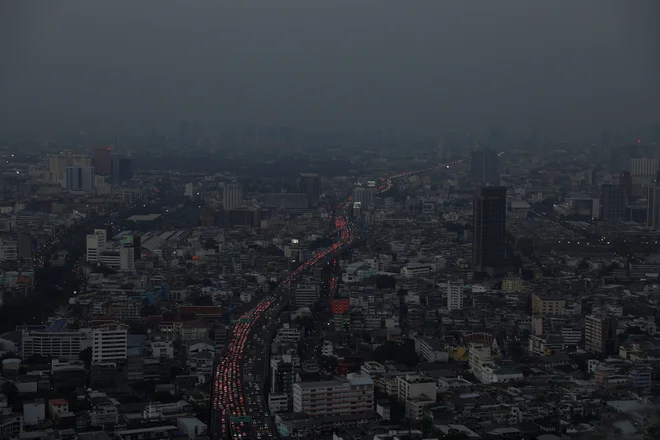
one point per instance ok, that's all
(347, 220)
(101, 66)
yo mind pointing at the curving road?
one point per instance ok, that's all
(230, 412)
(238, 409)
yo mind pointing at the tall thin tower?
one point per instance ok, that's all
(489, 219)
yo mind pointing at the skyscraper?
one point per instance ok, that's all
(96, 244)
(600, 334)
(643, 169)
(80, 178)
(485, 167)
(653, 207)
(614, 203)
(365, 196)
(283, 370)
(121, 169)
(626, 182)
(455, 295)
(189, 189)
(489, 219)
(58, 164)
(232, 197)
(310, 184)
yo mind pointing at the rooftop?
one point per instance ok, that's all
(144, 217)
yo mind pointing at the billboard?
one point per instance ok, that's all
(127, 241)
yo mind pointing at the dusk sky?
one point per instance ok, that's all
(428, 65)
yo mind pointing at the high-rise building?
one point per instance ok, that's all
(351, 395)
(96, 244)
(455, 295)
(653, 207)
(80, 179)
(414, 386)
(356, 212)
(641, 377)
(365, 196)
(310, 184)
(547, 305)
(129, 251)
(489, 220)
(58, 164)
(600, 334)
(306, 295)
(102, 160)
(73, 179)
(54, 341)
(127, 258)
(232, 197)
(121, 169)
(189, 190)
(283, 370)
(109, 343)
(485, 167)
(614, 203)
(626, 182)
(643, 170)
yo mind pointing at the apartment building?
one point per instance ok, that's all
(58, 344)
(96, 243)
(414, 386)
(109, 343)
(283, 368)
(479, 359)
(547, 305)
(600, 334)
(306, 295)
(432, 351)
(288, 334)
(415, 270)
(484, 367)
(342, 396)
(455, 295)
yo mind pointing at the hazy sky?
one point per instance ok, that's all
(429, 65)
